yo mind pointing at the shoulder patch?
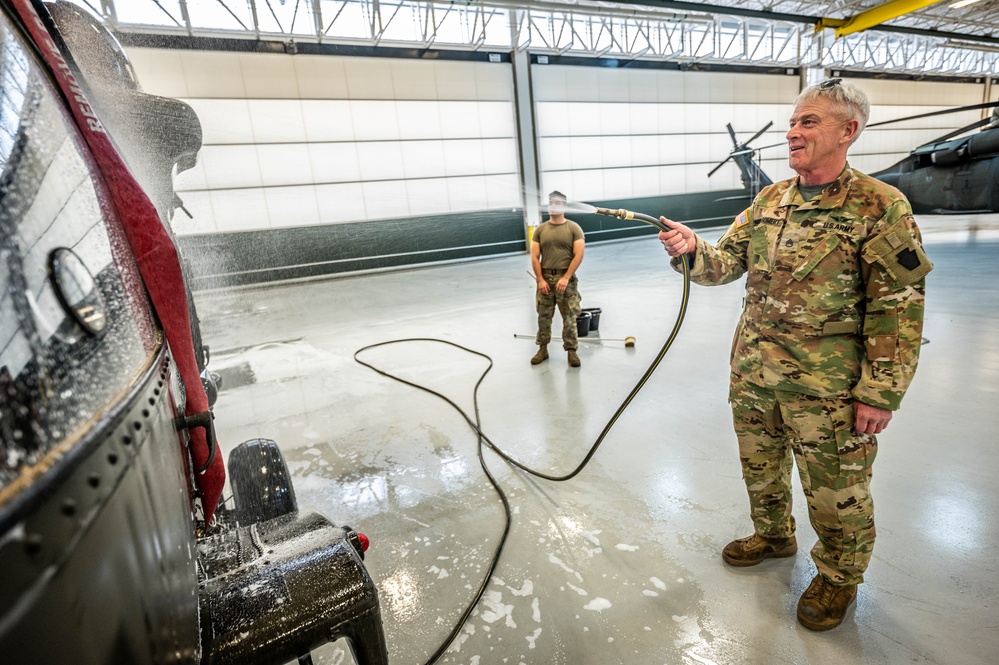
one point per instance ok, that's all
(742, 219)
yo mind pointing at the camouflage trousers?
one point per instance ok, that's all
(568, 306)
(834, 465)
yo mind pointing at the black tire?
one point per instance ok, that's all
(261, 484)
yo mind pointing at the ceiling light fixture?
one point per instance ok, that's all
(963, 3)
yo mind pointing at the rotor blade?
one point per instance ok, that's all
(973, 107)
(722, 162)
(759, 133)
(966, 128)
(731, 132)
(772, 145)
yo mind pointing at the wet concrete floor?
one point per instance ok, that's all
(620, 564)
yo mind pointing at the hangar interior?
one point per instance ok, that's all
(354, 191)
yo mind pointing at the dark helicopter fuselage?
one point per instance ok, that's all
(956, 176)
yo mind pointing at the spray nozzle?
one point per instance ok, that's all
(620, 213)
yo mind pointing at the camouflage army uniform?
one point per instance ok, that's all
(832, 314)
(556, 255)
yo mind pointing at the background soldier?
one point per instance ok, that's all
(556, 252)
(826, 346)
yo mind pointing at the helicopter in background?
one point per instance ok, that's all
(945, 176)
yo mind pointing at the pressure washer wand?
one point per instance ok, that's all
(621, 213)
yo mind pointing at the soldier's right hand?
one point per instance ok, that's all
(543, 287)
(679, 239)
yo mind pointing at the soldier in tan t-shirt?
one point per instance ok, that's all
(556, 252)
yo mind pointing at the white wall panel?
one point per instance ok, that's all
(644, 150)
(459, 119)
(697, 88)
(386, 199)
(463, 157)
(374, 120)
(643, 118)
(643, 86)
(423, 159)
(617, 181)
(223, 120)
(697, 119)
(212, 75)
(170, 79)
(456, 80)
(551, 118)
(721, 114)
(586, 186)
(419, 120)
(672, 149)
(320, 77)
(380, 160)
(239, 210)
(616, 151)
(413, 80)
(334, 162)
(670, 87)
(673, 180)
(340, 203)
(582, 120)
(581, 84)
(503, 191)
(289, 207)
(369, 78)
(228, 166)
(587, 152)
(494, 83)
(268, 77)
(467, 194)
(285, 164)
(645, 181)
(427, 196)
(499, 156)
(277, 120)
(327, 120)
(554, 153)
(612, 84)
(615, 119)
(496, 120)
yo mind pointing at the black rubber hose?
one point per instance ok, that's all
(482, 438)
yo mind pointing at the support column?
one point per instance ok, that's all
(527, 141)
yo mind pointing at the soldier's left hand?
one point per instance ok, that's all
(868, 419)
(562, 285)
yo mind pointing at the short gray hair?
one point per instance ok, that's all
(851, 99)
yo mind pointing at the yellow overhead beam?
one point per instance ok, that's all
(872, 17)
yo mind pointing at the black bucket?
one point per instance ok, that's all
(583, 324)
(594, 318)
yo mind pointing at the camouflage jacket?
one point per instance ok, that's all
(835, 289)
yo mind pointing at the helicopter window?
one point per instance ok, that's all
(73, 335)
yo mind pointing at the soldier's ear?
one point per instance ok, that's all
(850, 130)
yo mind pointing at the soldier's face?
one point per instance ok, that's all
(556, 206)
(818, 138)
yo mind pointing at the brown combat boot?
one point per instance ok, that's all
(754, 549)
(541, 355)
(573, 358)
(823, 604)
